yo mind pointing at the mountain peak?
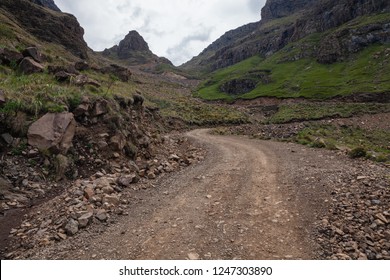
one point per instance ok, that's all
(134, 50)
(47, 4)
(133, 42)
(274, 9)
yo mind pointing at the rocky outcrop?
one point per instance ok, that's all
(274, 9)
(134, 50)
(301, 18)
(48, 4)
(30, 66)
(328, 14)
(133, 42)
(9, 57)
(340, 44)
(238, 86)
(120, 72)
(59, 28)
(32, 52)
(53, 132)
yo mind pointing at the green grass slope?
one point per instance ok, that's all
(290, 76)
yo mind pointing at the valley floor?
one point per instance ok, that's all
(249, 199)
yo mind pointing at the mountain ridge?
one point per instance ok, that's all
(48, 4)
(134, 50)
(48, 25)
(281, 25)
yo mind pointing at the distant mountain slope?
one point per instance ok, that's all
(323, 49)
(48, 4)
(45, 24)
(134, 50)
(284, 22)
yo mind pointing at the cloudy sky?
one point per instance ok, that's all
(176, 29)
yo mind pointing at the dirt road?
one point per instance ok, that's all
(240, 203)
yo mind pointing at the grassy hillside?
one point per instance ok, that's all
(40, 93)
(366, 71)
(293, 73)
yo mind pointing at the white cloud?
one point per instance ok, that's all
(176, 29)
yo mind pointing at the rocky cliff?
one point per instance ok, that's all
(47, 25)
(284, 22)
(48, 4)
(282, 8)
(134, 50)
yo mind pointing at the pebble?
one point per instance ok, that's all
(72, 227)
(193, 256)
(101, 215)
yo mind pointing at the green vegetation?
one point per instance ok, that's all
(41, 93)
(6, 32)
(381, 18)
(281, 21)
(203, 114)
(366, 71)
(373, 144)
(317, 111)
(295, 72)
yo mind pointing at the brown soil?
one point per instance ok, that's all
(238, 204)
(249, 199)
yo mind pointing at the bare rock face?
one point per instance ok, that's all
(121, 72)
(33, 53)
(53, 132)
(281, 8)
(132, 42)
(238, 86)
(47, 4)
(310, 16)
(59, 28)
(134, 50)
(30, 66)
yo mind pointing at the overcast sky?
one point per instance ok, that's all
(176, 29)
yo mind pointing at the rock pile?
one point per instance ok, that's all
(97, 199)
(268, 131)
(30, 61)
(358, 224)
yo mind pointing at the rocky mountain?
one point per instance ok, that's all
(283, 8)
(133, 50)
(46, 25)
(284, 22)
(48, 4)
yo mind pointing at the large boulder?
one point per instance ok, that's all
(120, 72)
(118, 142)
(53, 132)
(30, 66)
(81, 65)
(100, 108)
(9, 57)
(33, 53)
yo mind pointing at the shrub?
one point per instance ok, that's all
(357, 152)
